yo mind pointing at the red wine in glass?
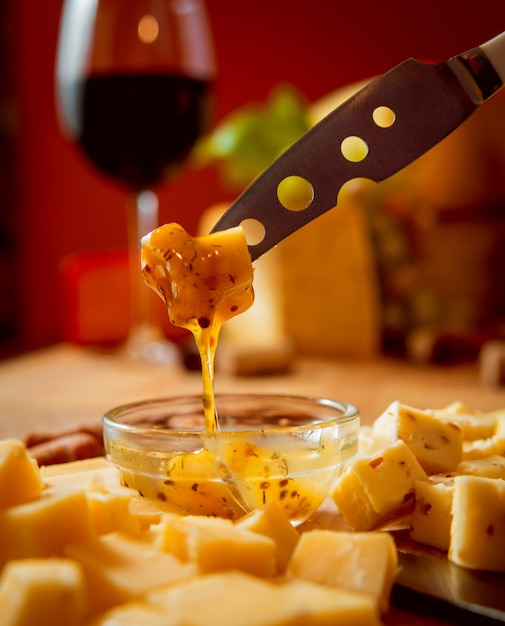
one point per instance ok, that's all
(133, 86)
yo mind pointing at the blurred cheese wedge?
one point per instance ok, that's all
(239, 598)
(16, 462)
(216, 544)
(42, 591)
(119, 567)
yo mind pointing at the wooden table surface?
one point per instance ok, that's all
(65, 386)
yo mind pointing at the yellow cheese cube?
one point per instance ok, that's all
(500, 422)
(81, 473)
(133, 614)
(109, 510)
(216, 544)
(366, 562)
(45, 592)
(42, 528)
(271, 521)
(149, 511)
(489, 466)
(374, 488)
(19, 474)
(232, 598)
(437, 444)
(478, 523)
(431, 518)
(481, 448)
(120, 568)
(473, 424)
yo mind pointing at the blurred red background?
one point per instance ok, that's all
(52, 203)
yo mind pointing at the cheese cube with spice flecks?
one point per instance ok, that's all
(489, 466)
(431, 518)
(478, 523)
(437, 444)
(473, 424)
(374, 488)
(482, 448)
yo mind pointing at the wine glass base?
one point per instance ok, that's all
(157, 350)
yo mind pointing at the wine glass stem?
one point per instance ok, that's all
(142, 218)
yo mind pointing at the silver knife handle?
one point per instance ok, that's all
(494, 49)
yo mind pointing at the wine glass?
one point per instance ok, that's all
(133, 89)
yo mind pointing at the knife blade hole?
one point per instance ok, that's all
(354, 148)
(384, 117)
(295, 193)
(254, 231)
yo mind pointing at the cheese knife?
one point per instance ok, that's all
(423, 103)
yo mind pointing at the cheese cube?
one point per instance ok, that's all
(473, 424)
(431, 518)
(481, 448)
(271, 521)
(42, 591)
(43, 528)
(437, 444)
(366, 562)
(20, 479)
(133, 614)
(109, 510)
(149, 511)
(489, 466)
(231, 598)
(375, 488)
(81, 473)
(119, 568)
(478, 523)
(216, 544)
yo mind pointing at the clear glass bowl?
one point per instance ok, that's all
(269, 447)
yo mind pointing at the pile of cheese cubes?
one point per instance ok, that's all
(79, 549)
(443, 468)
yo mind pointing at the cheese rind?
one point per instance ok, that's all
(478, 523)
(364, 562)
(373, 488)
(436, 443)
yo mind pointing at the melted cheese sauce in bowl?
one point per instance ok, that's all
(286, 449)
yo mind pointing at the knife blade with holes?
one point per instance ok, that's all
(378, 131)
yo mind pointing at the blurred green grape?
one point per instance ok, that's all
(252, 137)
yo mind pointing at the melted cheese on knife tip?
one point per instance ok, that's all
(204, 281)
